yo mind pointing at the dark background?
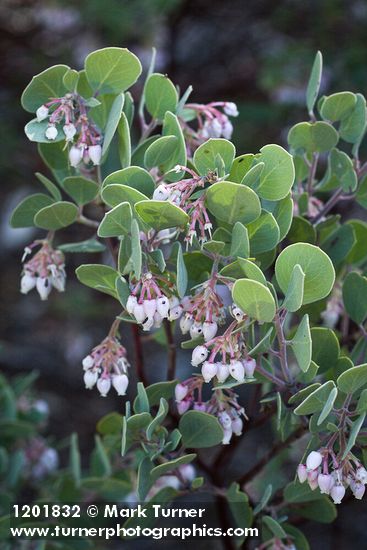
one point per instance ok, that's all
(257, 53)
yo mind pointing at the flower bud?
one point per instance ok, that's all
(58, 281)
(222, 372)
(69, 131)
(139, 313)
(361, 474)
(150, 307)
(302, 473)
(249, 366)
(199, 354)
(314, 460)
(215, 128)
(208, 370)
(183, 406)
(162, 304)
(90, 378)
(173, 301)
(75, 155)
(358, 490)
(88, 362)
(227, 129)
(209, 330)
(186, 323)
(237, 425)
(225, 420)
(312, 476)
(120, 382)
(325, 482)
(42, 113)
(230, 108)
(180, 392)
(237, 313)
(27, 283)
(95, 154)
(43, 287)
(104, 386)
(236, 370)
(196, 330)
(51, 132)
(337, 493)
(227, 435)
(175, 313)
(187, 302)
(187, 471)
(161, 193)
(131, 303)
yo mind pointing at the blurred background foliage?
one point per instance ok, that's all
(257, 53)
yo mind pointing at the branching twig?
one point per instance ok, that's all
(248, 476)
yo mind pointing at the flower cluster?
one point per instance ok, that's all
(45, 270)
(71, 112)
(223, 405)
(181, 194)
(224, 356)
(107, 366)
(149, 305)
(211, 122)
(349, 473)
(203, 311)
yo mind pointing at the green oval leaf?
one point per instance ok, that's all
(353, 379)
(57, 215)
(263, 234)
(160, 151)
(112, 70)
(277, 176)
(314, 82)
(301, 344)
(316, 400)
(315, 137)
(200, 430)
(82, 190)
(44, 86)
(161, 214)
(115, 194)
(231, 202)
(254, 299)
(97, 276)
(206, 156)
(337, 106)
(24, 213)
(116, 222)
(133, 176)
(316, 265)
(355, 297)
(160, 96)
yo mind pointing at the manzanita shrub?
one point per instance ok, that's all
(241, 253)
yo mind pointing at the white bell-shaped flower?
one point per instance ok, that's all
(314, 460)
(27, 283)
(90, 378)
(51, 132)
(236, 370)
(95, 154)
(120, 382)
(199, 354)
(104, 386)
(209, 330)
